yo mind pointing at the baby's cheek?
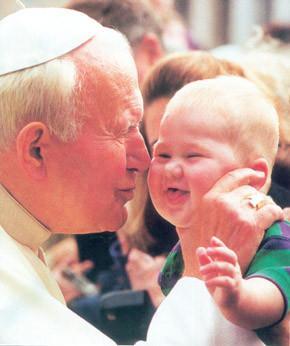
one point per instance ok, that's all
(200, 186)
(154, 180)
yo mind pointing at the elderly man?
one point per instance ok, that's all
(138, 22)
(70, 149)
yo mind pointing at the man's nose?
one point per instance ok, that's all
(138, 158)
(173, 169)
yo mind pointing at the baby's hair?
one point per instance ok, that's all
(249, 120)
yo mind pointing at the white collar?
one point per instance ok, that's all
(19, 223)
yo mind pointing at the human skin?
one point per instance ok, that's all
(240, 300)
(146, 53)
(190, 160)
(153, 115)
(143, 271)
(189, 156)
(184, 159)
(84, 179)
(223, 201)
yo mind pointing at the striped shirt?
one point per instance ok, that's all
(272, 262)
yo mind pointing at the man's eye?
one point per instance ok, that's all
(126, 132)
(132, 128)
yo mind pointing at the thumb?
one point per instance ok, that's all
(237, 178)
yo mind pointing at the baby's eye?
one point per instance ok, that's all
(192, 155)
(164, 155)
(161, 155)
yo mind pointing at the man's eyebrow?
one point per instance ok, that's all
(136, 119)
(134, 124)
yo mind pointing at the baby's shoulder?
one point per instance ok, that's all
(279, 230)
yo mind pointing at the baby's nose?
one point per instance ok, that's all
(174, 170)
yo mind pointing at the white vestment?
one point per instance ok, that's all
(189, 316)
(32, 308)
(33, 311)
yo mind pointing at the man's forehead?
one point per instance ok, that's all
(130, 110)
(112, 98)
(33, 36)
(135, 109)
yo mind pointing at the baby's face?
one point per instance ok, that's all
(188, 159)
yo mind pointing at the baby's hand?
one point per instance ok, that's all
(221, 272)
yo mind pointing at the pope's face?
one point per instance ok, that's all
(96, 173)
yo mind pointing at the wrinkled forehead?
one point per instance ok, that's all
(109, 90)
(108, 52)
(105, 64)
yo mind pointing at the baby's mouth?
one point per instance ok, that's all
(176, 195)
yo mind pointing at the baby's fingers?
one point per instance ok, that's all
(218, 268)
(222, 254)
(215, 241)
(221, 282)
(202, 256)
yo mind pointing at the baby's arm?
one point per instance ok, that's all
(253, 303)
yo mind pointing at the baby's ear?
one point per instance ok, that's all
(260, 165)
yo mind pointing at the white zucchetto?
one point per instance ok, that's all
(33, 36)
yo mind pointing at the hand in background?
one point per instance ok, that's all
(65, 250)
(143, 271)
(69, 289)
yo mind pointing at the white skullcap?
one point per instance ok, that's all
(33, 36)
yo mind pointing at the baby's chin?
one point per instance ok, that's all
(178, 220)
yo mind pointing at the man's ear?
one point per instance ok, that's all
(31, 144)
(152, 46)
(260, 165)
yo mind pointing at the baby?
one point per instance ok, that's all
(210, 128)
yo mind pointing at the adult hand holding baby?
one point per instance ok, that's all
(225, 212)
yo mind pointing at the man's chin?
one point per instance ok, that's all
(112, 223)
(116, 221)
